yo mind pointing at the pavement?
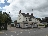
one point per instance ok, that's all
(24, 32)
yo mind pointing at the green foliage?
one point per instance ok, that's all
(5, 18)
(0, 16)
(41, 25)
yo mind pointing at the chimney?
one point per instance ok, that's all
(32, 14)
(27, 13)
(19, 11)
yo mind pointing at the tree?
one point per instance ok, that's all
(8, 18)
(4, 19)
(0, 18)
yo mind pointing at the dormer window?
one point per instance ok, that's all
(30, 19)
(26, 18)
(19, 18)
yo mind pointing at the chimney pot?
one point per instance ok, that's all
(32, 14)
(19, 11)
(27, 13)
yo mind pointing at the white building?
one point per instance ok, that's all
(26, 19)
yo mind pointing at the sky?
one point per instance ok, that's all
(40, 7)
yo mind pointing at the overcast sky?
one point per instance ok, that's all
(13, 6)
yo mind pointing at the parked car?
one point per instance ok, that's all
(26, 25)
(18, 26)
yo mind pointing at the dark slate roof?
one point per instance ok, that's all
(38, 19)
(27, 15)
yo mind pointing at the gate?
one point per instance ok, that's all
(3, 26)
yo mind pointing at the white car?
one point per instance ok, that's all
(26, 25)
(18, 25)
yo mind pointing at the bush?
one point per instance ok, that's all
(41, 24)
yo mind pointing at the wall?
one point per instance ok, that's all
(21, 16)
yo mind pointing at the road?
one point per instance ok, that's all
(25, 32)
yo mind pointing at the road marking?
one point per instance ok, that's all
(29, 32)
(46, 35)
(20, 32)
(1, 32)
(17, 34)
(11, 35)
(5, 33)
(12, 31)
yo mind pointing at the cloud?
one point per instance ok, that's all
(0, 8)
(2, 1)
(10, 1)
(39, 7)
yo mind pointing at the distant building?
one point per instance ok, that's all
(13, 24)
(0, 11)
(24, 19)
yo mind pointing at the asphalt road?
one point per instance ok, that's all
(25, 32)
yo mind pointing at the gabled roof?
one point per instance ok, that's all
(27, 15)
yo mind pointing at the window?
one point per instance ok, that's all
(26, 25)
(30, 20)
(26, 20)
